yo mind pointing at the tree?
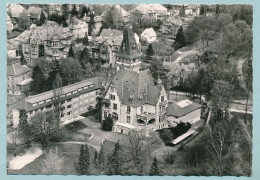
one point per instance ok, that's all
(42, 125)
(101, 157)
(112, 18)
(107, 124)
(149, 51)
(74, 11)
(55, 69)
(71, 52)
(217, 9)
(41, 50)
(115, 161)
(42, 19)
(84, 11)
(22, 60)
(167, 136)
(155, 170)
(91, 24)
(38, 84)
(85, 61)
(99, 107)
(71, 71)
(64, 9)
(44, 65)
(85, 40)
(84, 159)
(182, 11)
(221, 94)
(23, 127)
(180, 39)
(202, 10)
(53, 162)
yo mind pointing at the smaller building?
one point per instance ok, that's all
(78, 27)
(148, 35)
(183, 111)
(18, 78)
(34, 13)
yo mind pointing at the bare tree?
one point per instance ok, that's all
(53, 162)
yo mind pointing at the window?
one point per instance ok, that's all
(115, 106)
(68, 100)
(42, 109)
(63, 108)
(128, 119)
(112, 89)
(74, 92)
(162, 98)
(69, 113)
(34, 104)
(128, 109)
(112, 97)
(105, 114)
(62, 102)
(36, 110)
(160, 108)
(142, 109)
(68, 94)
(49, 106)
(62, 115)
(48, 100)
(69, 106)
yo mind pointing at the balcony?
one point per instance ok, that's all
(146, 116)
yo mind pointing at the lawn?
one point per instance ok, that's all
(70, 166)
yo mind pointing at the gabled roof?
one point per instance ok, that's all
(181, 108)
(135, 88)
(150, 32)
(111, 32)
(17, 69)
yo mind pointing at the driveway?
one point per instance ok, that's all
(95, 128)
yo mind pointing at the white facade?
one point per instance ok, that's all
(148, 35)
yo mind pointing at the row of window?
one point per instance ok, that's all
(68, 94)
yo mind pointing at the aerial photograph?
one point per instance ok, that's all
(129, 89)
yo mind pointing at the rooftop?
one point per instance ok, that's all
(181, 108)
(135, 88)
(41, 100)
(17, 69)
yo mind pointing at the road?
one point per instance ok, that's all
(183, 54)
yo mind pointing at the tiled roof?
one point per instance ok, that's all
(136, 88)
(177, 111)
(17, 69)
(27, 103)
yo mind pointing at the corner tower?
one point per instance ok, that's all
(129, 55)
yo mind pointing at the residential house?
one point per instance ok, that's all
(107, 45)
(98, 23)
(121, 11)
(75, 99)
(132, 100)
(183, 111)
(18, 78)
(143, 11)
(15, 10)
(34, 13)
(78, 27)
(148, 35)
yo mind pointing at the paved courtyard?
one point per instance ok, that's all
(95, 128)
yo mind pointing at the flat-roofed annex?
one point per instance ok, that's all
(67, 89)
(184, 103)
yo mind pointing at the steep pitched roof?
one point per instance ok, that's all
(129, 48)
(135, 88)
(111, 32)
(181, 108)
(17, 69)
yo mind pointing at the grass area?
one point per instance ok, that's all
(70, 132)
(70, 152)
